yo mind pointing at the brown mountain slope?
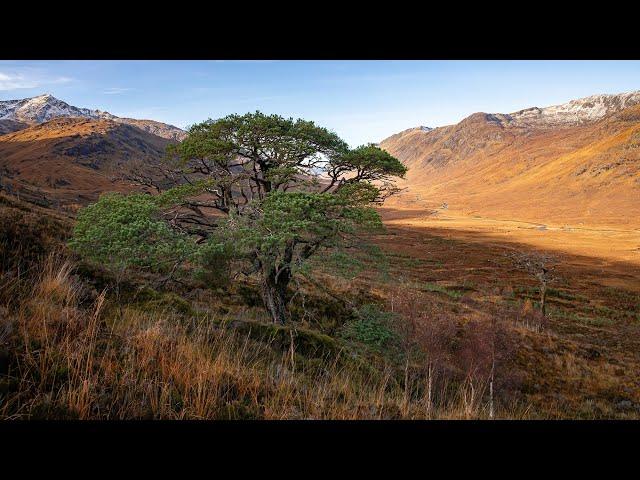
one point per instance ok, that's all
(72, 160)
(585, 174)
(8, 126)
(156, 128)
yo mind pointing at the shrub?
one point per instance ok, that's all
(129, 231)
(26, 238)
(372, 327)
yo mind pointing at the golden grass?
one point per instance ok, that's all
(74, 362)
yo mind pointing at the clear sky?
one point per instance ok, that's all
(362, 101)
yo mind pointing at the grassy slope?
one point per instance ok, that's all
(70, 350)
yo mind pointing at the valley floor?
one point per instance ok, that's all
(613, 249)
(588, 354)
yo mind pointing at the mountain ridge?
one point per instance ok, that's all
(42, 108)
(576, 167)
(571, 113)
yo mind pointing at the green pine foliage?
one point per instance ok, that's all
(121, 231)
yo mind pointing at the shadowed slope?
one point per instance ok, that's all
(73, 160)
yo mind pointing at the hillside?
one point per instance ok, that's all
(572, 164)
(8, 126)
(72, 160)
(73, 348)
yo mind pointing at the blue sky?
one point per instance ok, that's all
(362, 101)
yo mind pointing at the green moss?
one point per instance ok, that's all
(147, 294)
(249, 295)
(101, 279)
(580, 317)
(325, 313)
(596, 321)
(306, 342)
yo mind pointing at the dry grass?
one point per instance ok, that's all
(68, 351)
(68, 361)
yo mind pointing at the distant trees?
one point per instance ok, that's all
(266, 190)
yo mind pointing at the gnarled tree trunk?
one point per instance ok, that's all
(275, 280)
(274, 297)
(274, 293)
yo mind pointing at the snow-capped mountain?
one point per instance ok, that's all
(575, 112)
(40, 109)
(43, 108)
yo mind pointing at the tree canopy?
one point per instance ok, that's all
(273, 191)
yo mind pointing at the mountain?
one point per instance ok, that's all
(40, 109)
(44, 108)
(576, 163)
(156, 128)
(575, 112)
(70, 161)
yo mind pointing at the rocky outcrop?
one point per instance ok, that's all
(575, 112)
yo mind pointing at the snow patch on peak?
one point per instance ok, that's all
(42, 108)
(575, 112)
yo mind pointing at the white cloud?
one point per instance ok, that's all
(116, 90)
(16, 81)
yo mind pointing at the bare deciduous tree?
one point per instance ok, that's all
(428, 334)
(540, 265)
